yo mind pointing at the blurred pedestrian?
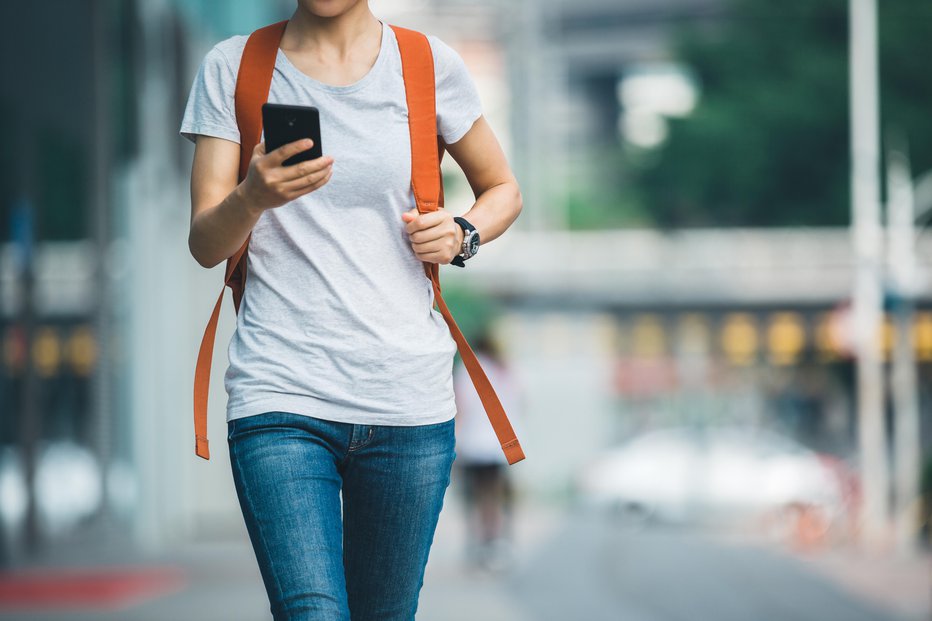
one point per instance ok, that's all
(341, 406)
(488, 494)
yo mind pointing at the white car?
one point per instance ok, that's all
(714, 475)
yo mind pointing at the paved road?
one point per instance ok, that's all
(568, 568)
(594, 570)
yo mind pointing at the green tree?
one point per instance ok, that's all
(768, 144)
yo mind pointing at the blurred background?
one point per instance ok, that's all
(715, 310)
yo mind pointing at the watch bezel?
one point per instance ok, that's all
(471, 240)
(471, 243)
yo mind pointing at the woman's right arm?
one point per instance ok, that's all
(223, 212)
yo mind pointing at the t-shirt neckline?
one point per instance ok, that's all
(285, 65)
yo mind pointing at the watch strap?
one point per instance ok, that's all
(464, 223)
(469, 231)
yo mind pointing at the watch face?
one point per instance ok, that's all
(473, 244)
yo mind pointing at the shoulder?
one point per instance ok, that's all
(440, 48)
(446, 59)
(458, 104)
(227, 53)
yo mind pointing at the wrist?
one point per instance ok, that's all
(246, 203)
(460, 235)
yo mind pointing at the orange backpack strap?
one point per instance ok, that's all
(417, 66)
(252, 90)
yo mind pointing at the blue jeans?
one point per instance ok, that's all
(367, 564)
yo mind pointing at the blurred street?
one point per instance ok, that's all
(667, 575)
(711, 325)
(567, 565)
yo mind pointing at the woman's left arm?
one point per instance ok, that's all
(435, 237)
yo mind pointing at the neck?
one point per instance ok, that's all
(335, 35)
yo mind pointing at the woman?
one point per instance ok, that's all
(340, 376)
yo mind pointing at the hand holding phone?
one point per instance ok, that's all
(269, 183)
(289, 163)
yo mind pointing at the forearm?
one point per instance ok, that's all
(219, 231)
(495, 210)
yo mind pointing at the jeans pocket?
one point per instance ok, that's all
(246, 424)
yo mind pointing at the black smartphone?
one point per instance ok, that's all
(283, 123)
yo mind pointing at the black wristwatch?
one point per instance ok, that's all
(470, 242)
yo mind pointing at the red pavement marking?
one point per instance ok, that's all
(110, 588)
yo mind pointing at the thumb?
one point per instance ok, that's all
(409, 216)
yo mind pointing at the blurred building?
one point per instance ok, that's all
(618, 332)
(96, 282)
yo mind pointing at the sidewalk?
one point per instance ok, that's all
(215, 582)
(902, 585)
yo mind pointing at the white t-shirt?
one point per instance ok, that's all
(337, 318)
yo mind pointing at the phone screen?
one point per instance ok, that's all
(282, 123)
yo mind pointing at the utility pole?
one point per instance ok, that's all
(904, 384)
(524, 50)
(99, 226)
(867, 300)
(29, 427)
(30, 422)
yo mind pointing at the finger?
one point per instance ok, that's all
(437, 247)
(311, 187)
(285, 151)
(429, 234)
(298, 171)
(430, 246)
(431, 257)
(432, 218)
(258, 152)
(426, 220)
(298, 184)
(409, 216)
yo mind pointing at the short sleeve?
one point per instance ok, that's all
(458, 103)
(210, 110)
